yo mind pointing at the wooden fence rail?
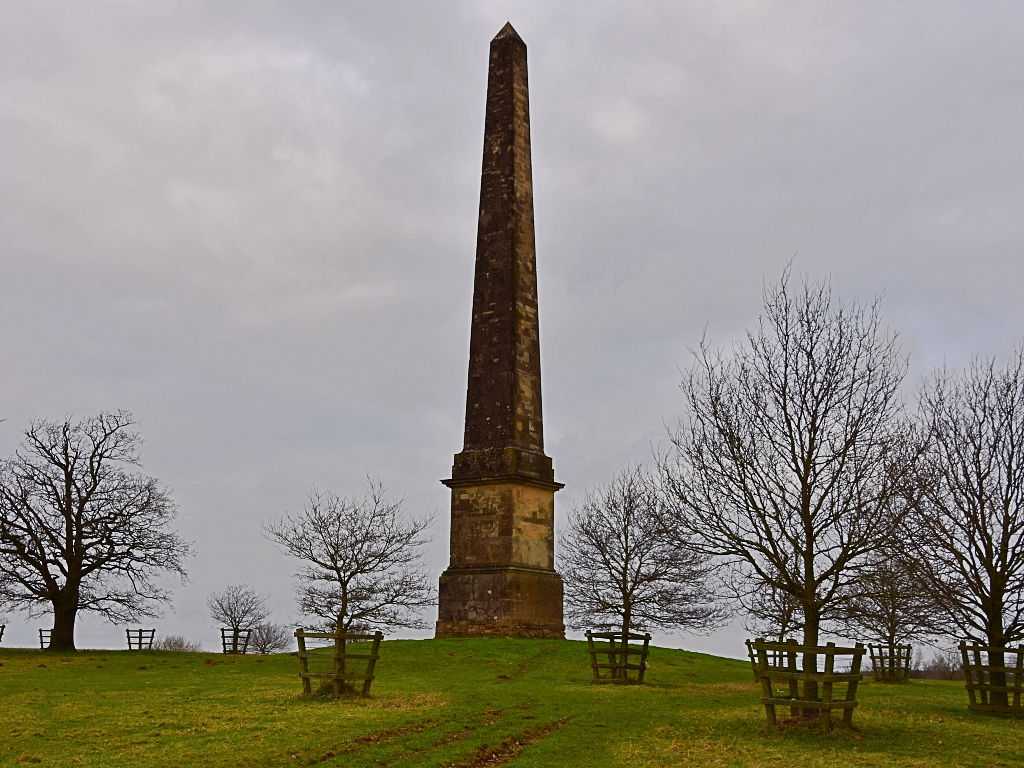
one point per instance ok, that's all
(2, 628)
(890, 663)
(235, 641)
(44, 639)
(787, 669)
(140, 639)
(342, 674)
(993, 688)
(622, 658)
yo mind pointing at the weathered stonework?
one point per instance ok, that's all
(501, 578)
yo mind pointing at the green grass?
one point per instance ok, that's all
(458, 702)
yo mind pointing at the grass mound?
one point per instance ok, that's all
(458, 703)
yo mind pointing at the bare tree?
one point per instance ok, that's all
(890, 607)
(622, 572)
(267, 638)
(361, 560)
(80, 531)
(238, 607)
(789, 461)
(968, 526)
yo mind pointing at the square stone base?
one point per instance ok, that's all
(502, 602)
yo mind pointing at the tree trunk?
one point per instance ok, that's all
(997, 639)
(811, 626)
(62, 636)
(627, 619)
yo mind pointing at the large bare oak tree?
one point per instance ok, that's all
(361, 561)
(968, 526)
(622, 572)
(789, 460)
(80, 530)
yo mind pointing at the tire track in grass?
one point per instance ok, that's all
(493, 717)
(362, 743)
(510, 748)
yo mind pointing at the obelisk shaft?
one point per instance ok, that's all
(503, 405)
(501, 578)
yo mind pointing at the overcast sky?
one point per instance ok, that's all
(253, 225)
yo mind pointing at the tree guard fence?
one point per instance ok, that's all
(775, 658)
(890, 663)
(44, 638)
(786, 668)
(235, 641)
(140, 639)
(622, 658)
(2, 628)
(344, 660)
(994, 686)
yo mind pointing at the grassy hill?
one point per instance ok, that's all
(458, 703)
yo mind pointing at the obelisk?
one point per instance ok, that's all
(501, 578)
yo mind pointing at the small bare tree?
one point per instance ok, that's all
(968, 526)
(267, 638)
(622, 572)
(238, 607)
(80, 531)
(789, 461)
(890, 607)
(361, 560)
(177, 643)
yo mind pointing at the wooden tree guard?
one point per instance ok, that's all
(44, 638)
(2, 628)
(619, 654)
(139, 639)
(342, 671)
(775, 658)
(786, 670)
(890, 663)
(978, 677)
(235, 641)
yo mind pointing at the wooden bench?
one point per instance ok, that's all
(622, 658)
(788, 670)
(341, 674)
(140, 639)
(983, 679)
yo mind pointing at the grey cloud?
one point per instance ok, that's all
(253, 223)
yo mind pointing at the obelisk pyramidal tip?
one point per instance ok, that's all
(501, 579)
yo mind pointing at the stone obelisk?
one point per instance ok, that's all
(501, 579)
